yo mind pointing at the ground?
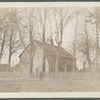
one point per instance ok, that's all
(51, 85)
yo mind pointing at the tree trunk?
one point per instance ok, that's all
(31, 65)
(74, 65)
(31, 50)
(2, 46)
(0, 57)
(10, 49)
(57, 60)
(84, 66)
(44, 40)
(87, 47)
(74, 44)
(59, 41)
(84, 62)
(43, 65)
(9, 61)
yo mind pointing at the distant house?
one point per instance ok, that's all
(48, 51)
(3, 67)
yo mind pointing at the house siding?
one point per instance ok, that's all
(24, 62)
(37, 60)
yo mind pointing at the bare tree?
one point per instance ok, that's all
(30, 26)
(3, 33)
(94, 14)
(31, 29)
(13, 39)
(3, 44)
(43, 23)
(75, 44)
(61, 14)
(85, 47)
(42, 19)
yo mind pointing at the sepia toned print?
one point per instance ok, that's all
(50, 49)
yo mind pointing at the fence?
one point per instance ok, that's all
(72, 76)
(14, 75)
(63, 76)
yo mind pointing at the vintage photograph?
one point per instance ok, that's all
(50, 49)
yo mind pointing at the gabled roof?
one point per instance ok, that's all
(49, 49)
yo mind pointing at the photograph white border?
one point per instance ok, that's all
(49, 94)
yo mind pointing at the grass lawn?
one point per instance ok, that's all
(51, 85)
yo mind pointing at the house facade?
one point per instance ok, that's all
(45, 57)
